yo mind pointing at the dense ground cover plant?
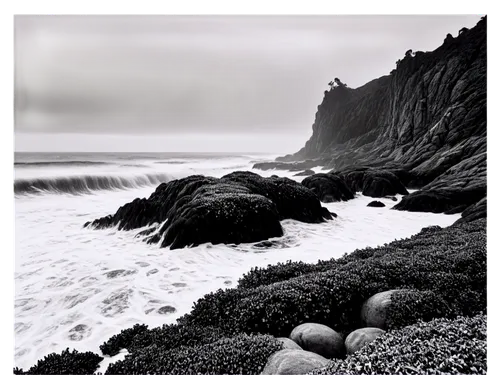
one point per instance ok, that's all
(441, 346)
(246, 354)
(65, 363)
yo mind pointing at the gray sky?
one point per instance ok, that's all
(207, 83)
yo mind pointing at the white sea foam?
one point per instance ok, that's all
(77, 287)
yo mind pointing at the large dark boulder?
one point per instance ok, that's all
(238, 208)
(217, 214)
(292, 200)
(373, 183)
(441, 200)
(328, 187)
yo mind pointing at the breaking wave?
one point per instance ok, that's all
(85, 184)
(59, 163)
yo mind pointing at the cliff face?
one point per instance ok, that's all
(425, 118)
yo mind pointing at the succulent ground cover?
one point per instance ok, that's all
(441, 346)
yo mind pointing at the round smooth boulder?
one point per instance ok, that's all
(319, 339)
(374, 310)
(293, 362)
(375, 204)
(360, 337)
(289, 344)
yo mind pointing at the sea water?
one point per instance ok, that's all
(77, 287)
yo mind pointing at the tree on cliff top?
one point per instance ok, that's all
(462, 30)
(339, 82)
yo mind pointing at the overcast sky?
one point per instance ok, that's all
(187, 83)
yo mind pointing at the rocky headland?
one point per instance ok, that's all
(413, 306)
(425, 123)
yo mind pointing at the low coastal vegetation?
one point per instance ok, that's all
(438, 273)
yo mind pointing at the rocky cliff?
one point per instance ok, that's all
(426, 121)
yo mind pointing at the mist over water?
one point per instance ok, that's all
(77, 287)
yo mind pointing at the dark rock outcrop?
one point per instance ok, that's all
(155, 209)
(375, 204)
(373, 183)
(474, 212)
(425, 123)
(219, 214)
(441, 200)
(237, 208)
(292, 200)
(458, 187)
(307, 172)
(328, 187)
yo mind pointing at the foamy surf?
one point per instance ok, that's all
(77, 287)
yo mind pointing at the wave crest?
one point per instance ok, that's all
(85, 184)
(59, 163)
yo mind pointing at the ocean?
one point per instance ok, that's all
(77, 287)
